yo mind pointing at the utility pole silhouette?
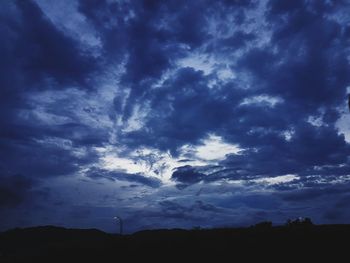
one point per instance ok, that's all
(120, 221)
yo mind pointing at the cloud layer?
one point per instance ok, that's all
(173, 113)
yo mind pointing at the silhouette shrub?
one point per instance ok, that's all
(299, 222)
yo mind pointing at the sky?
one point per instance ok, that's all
(173, 114)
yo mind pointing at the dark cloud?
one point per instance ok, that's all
(309, 147)
(187, 175)
(36, 56)
(319, 43)
(184, 111)
(193, 211)
(14, 190)
(95, 173)
(238, 40)
(316, 7)
(41, 159)
(41, 51)
(301, 195)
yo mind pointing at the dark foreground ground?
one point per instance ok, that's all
(331, 243)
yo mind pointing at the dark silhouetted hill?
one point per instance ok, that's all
(294, 241)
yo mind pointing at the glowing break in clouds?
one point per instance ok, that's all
(154, 163)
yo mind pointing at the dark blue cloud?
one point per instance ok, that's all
(123, 176)
(41, 51)
(14, 190)
(239, 40)
(185, 110)
(187, 175)
(320, 43)
(37, 56)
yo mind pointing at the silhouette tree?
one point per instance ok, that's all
(299, 222)
(265, 225)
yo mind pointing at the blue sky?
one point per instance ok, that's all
(173, 113)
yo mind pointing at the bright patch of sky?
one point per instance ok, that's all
(226, 74)
(200, 62)
(343, 125)
(152, 162)
(315, 120)
(262, 100)
(214, 149)
(288, 134)
(277, 179)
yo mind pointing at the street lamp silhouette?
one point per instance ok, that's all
(120, 221)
